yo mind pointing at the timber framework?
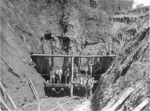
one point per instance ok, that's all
(71, 83)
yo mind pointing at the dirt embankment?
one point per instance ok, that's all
(130, 68)
(17, 40)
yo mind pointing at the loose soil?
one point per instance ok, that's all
(50, 104)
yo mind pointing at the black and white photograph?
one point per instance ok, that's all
(74, 55)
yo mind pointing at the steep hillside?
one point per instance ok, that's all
(17, 41)
(131, 67)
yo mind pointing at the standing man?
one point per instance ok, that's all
(76, 72)
(90, 67)
(89, 86)
(67, 73)
(52, 75)
(86, 70)
(82, 87)
(59, 74)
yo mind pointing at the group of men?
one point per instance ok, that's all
(85, 82)
(56, 75)
(85, 85)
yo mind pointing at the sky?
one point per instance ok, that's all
(145, 2)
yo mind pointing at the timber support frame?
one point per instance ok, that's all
(72, 63)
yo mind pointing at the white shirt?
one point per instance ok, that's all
(59, 72)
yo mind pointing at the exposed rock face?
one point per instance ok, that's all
(131, 67)
(46, 26)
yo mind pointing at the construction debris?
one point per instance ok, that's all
(9, 97)
(111, 107)
(142, 105)
(5, 105)
(34, 90)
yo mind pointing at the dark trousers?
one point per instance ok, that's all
(59, 77)
(52, 79)
(88, 91)
(66, 79)
(82, 91)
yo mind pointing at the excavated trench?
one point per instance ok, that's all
(64, 27)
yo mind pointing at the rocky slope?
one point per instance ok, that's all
(130, 68)
(61, 26)
(16, 68)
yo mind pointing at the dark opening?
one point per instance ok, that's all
(42, 64)
(65, 42)
(100, 66)
(48, 36)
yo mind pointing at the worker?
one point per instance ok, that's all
(52, 75)
(67, 73)
(59, 74)
(76, 71)
(82, 86)
(90, 66)
(86, 70)
(89, 86)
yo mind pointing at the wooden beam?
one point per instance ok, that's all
(81, 56)
(9, 97)
(119, 101)
(34, 90)
(72, 74)
(4, 104)
(122, 98)
(50, 85)
(60, 107)
(142, 105)
(79, 65)
(49, 55)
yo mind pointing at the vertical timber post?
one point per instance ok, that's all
(79, 65)
(72, 74)
(52, 58)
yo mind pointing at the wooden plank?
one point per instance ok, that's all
(49, 55)
(111, 107)
(72, 74)
(122, 98)
(34, 90)
(79, 65)
(9, 97)
(57, 85)
(81, 56)
(4, 104)
(72, 68)
(110, 103)
(142, 105)
(61, 107)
